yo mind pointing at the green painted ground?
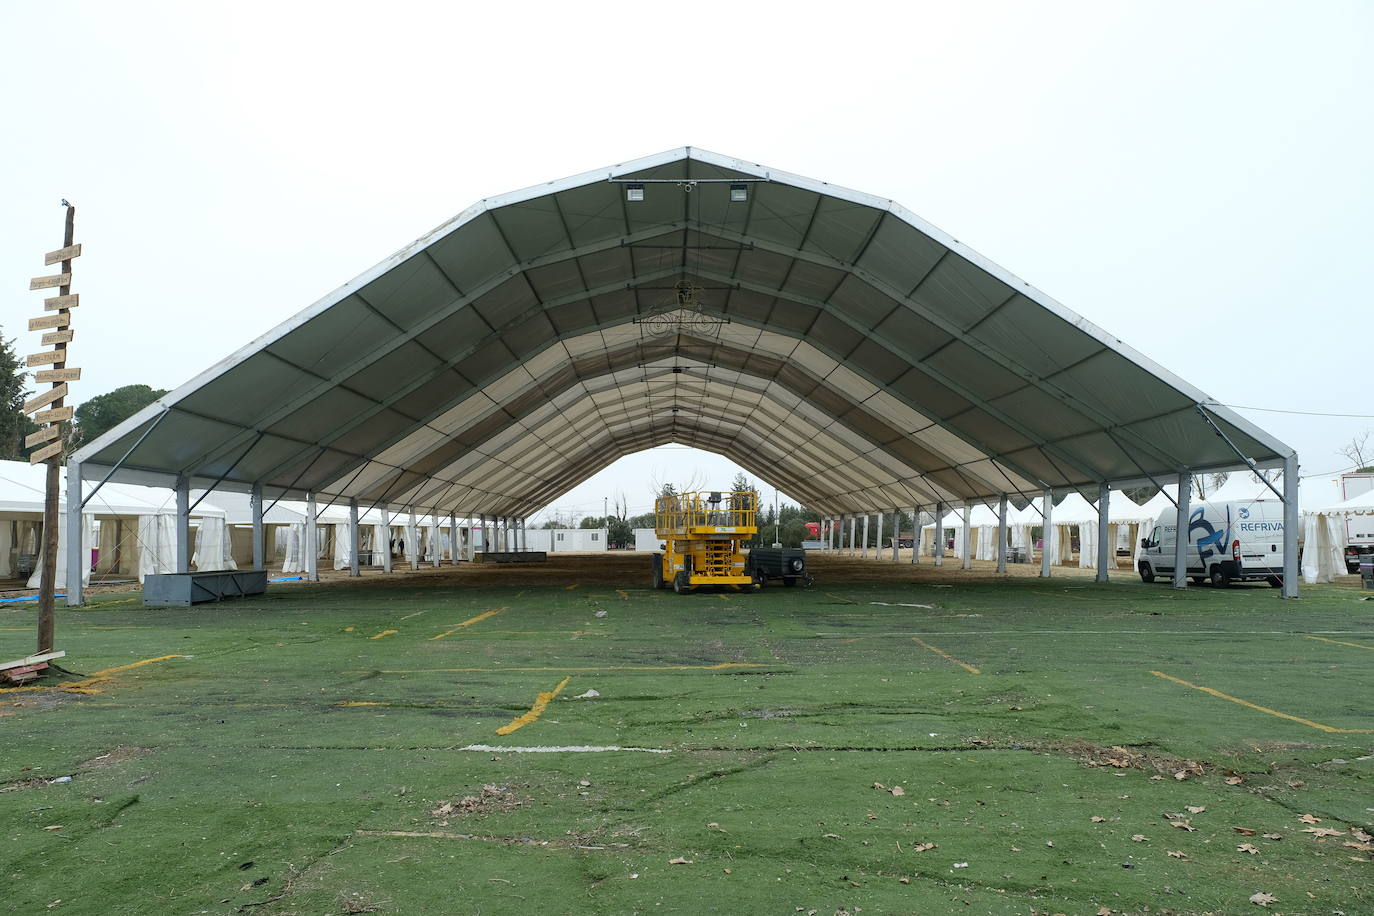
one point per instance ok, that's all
(237, 778)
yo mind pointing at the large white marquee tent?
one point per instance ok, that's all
(827, 340)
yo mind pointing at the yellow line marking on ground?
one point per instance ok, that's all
(720, 667)
(568, 588)
(470, 621)
(360, 703)
(841, 598)
(624, 596)
(112, 603)
(943, 653)
(348, 629)
(381, 634)
(537, 710)
(1265, 709)
(1353, 645)
(98, 676)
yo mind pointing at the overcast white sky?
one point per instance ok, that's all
(1194, 177)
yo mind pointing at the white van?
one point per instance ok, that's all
(1227, 542)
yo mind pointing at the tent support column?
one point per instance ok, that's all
(312, 539)
(454, 544)
(353, 569)
(1105, 550)
(1290, 526)
(896, 532)
(259, 534)
(968, 537)
(183, 524)
(1047, 532)
(864, 551)
(878, 537)
(413, 531)
(386, 532)
(1002, 534)
(915, 534)
(1185, 493)
(435, 529)
(853, 532)
(939, 533)
(76, 554)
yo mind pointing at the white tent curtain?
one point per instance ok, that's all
(343, 548)
(987, 542)
(1087, 545)
(87, 540)
(411, 542)
(431, 542)
(380, 542)
(1323, 540)
(213, 550)
(157, 544)
(294, 561)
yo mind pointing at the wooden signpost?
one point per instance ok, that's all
(49, 411)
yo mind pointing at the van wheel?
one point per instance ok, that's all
(1274, 582)
(1218, 578)
(1147, 574)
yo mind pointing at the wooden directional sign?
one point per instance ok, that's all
(47, 356)
(57, 337)
(57, 414)
(56, 393)
(46, 452)
(57, 375)
(43, 435)
(49, 321)
(62, 302)
(50, 282)
(62, 254)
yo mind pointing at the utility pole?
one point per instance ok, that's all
(47, 408)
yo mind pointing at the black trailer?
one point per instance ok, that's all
(785, 563)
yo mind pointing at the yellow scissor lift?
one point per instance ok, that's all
(702, 533)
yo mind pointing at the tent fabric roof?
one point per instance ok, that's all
(826, 340)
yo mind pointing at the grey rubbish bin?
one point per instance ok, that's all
(1367, 570)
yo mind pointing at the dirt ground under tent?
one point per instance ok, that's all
(560, 738)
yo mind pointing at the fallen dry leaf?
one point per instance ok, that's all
(1183, 825)
(1273, 836)
(1195, 809)
(1049, 842)
(1097, 820)
(1139, 837)
(1178, 855)
(898, 790)
(1104, 911)
(1244, 831)
(872, 816)
(1234, 780)
(679, 861)
(1251, 848)
(923, 847)
(1262, 899)
(904, 880)
(1361, 846)
(1323, 831)
(54, 827)
(831, 836)
(876, 785)
(1309, 819)
(1359, 834)
(729, 871)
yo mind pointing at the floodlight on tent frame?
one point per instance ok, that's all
(739, 187)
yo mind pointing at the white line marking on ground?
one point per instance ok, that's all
(564, 749)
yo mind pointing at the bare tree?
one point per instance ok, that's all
(1359, 451)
